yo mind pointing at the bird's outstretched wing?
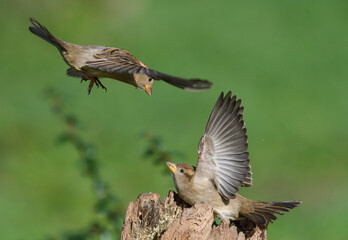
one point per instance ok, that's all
(222, 150)
(122, 61)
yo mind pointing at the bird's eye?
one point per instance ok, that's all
(150, 79)
(182, 170)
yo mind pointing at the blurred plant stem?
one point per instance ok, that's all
(109, 217)
(156, 151)
(109, 214)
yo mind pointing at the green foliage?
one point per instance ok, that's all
(157, 152)
(107, 207)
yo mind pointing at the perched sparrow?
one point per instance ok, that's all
(222, 167)
(90, 62)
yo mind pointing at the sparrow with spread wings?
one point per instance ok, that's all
(90, 62)
(223, 167)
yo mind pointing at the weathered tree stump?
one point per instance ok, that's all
(171, 218)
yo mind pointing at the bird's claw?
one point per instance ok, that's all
(92, 81)
(98, 82)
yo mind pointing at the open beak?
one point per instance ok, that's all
(148, 89)
(171, 167)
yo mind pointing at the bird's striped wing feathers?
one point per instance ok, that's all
(117, 60)
(223, 148)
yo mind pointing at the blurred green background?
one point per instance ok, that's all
(287, 60)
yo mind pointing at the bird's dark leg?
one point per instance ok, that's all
(91, 83)
(97, 81)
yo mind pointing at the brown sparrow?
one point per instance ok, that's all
(90, 62)
(223, 167)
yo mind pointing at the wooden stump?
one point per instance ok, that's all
(171, 218)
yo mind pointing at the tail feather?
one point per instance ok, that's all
(43, 33)
(263, 212)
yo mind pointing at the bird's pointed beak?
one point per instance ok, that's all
(148, 89)
(171, 166)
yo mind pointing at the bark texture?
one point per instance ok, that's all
(171, 218)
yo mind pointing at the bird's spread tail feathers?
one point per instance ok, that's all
(264, 212)
(43, 33)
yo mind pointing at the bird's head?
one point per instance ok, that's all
(182, 173)
(144, 82)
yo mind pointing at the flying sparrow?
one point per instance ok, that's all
(91, 62)
(223, 167)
